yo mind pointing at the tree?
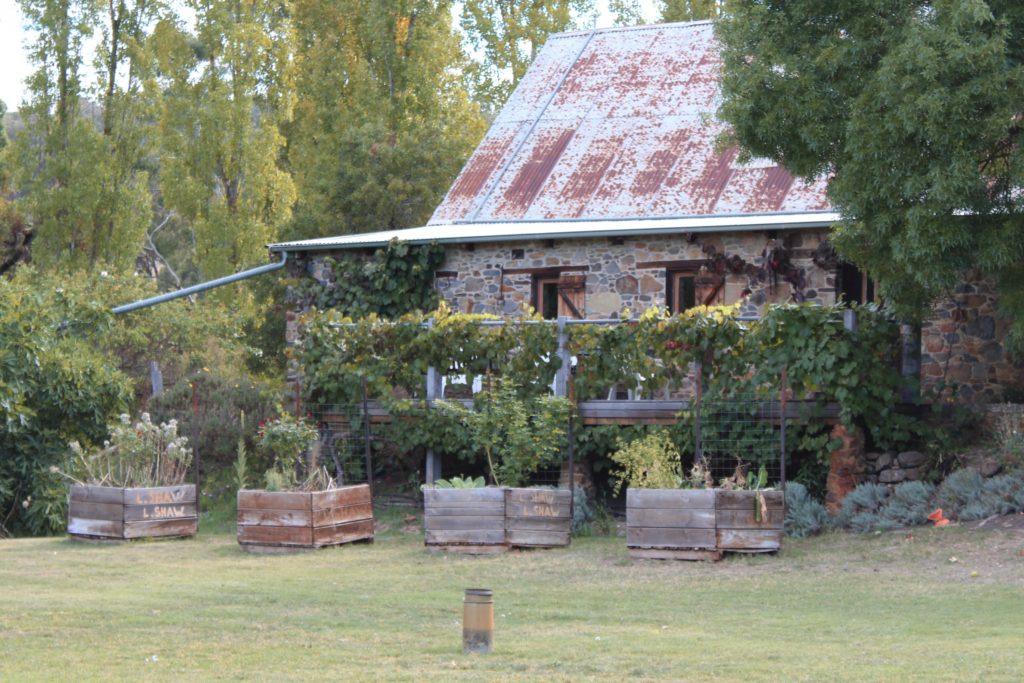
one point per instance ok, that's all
(626, 12)
(690, 10)
(914, 110)
(510, 33)
(227, 92)
(75, 164)
(384, 122)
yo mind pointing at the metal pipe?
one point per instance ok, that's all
(203, 286)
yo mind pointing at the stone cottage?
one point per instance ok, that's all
(602, 186)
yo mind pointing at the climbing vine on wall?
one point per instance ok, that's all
(826, 363)
(394, 280)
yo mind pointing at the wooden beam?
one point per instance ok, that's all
(678, 264)
(547, 270)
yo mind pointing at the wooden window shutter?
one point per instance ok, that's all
(710, 288)
(572, 291)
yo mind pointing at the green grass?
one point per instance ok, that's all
(840, 607)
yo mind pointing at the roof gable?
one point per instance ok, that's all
(618, 123)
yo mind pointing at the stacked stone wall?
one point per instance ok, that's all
(475, 278)
(962, 346)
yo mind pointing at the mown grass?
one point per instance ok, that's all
(834, 608)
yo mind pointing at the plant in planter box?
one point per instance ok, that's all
(302, 506)
(517, 436)
(134, 486)
(459, 483)
(663, 519)
(287, 440)
(650, 462)
(667, 519)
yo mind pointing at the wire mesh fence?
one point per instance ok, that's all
(738, 435)
(345, 444)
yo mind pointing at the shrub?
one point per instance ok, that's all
(55, 387)
(650, 462)
(1000, 495)
(805, 516)
(909, 504)
(862, 507)
(220, 401)
(959, 490)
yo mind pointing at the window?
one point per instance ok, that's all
(559, 295)
(682, 290)
(687, 288)
(854, 286)
(547, 297)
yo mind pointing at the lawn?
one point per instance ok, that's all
(839, 607)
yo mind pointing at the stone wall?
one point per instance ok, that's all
(619, 274)
(962, 346)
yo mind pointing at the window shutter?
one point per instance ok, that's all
(710, 288)
(572, 295)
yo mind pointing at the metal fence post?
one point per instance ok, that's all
(562, 376)
(195, 446)
(782, 426)
(698, 442)
(366, 438)
(433, 467)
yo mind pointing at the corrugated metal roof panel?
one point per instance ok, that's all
(618, 123)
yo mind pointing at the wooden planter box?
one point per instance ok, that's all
(464, 520)
(113, 513)
(671, 524)
(294, 520)
(700, 524)
(736, 526)
(538, 518)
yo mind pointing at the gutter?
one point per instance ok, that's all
(453, 233)
(203, 286)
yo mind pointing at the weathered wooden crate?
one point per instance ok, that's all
(114, 513)
(293, 520)
(465, 520)
(538, 518)
(737, 528)
(671, 524)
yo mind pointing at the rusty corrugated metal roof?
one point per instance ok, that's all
(618, 123)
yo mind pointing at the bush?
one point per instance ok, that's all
(804, 515)
(651, 462)
(55, 387)
(909, 504)
(590, 519)
(862, 508)
(1001, 495)
(959, 490)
